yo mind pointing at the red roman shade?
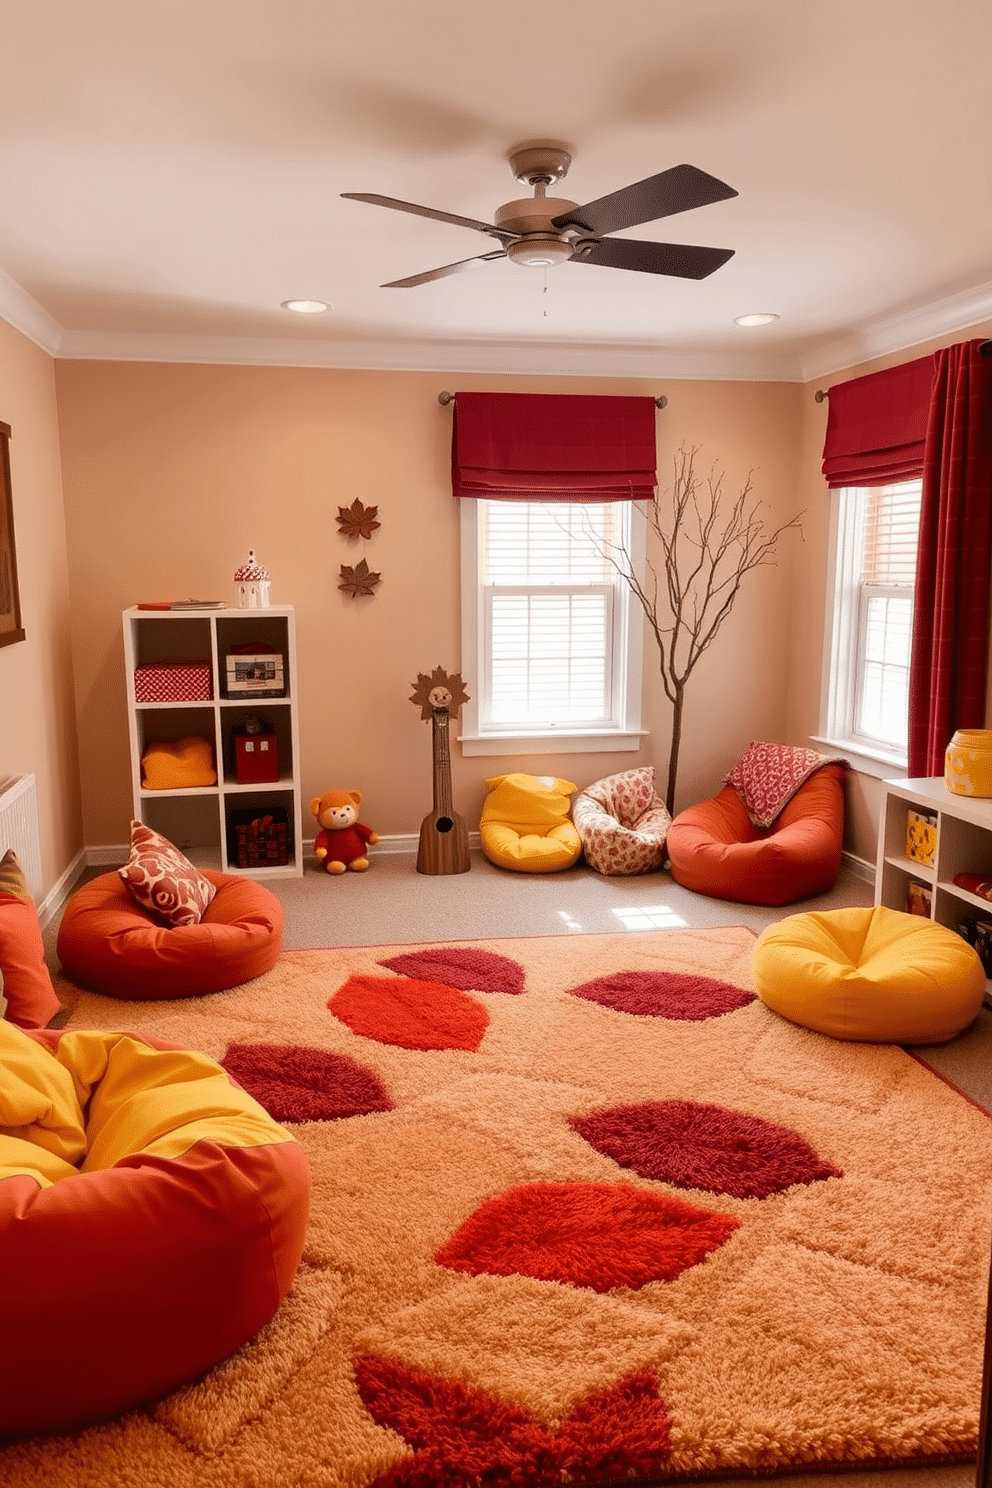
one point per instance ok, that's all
(549, 447)
(877, 426)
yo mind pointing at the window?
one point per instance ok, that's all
(551, 634)
(871, 629)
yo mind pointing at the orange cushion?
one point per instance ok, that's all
(158, 1231)
(714, 848)
(109, 943)
(24, 977)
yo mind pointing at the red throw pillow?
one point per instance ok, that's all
(163, 880)
(27, 985)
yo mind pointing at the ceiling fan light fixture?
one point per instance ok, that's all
(759, 318)
(306, 307)
(539, 252)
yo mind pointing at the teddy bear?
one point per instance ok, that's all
(340, 844)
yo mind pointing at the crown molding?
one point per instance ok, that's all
(877, 337)
(18, 309)
(527, 358)
(886, 334)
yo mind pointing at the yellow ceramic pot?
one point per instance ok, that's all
(968, 763)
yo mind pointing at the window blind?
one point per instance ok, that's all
(526, 542)
(892, 524)
(888, 576)
(550, 611)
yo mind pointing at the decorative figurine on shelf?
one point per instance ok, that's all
(252, 581)
(443, 835)
(341, 842)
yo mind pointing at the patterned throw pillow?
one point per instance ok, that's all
(767, 776)
(163, 880)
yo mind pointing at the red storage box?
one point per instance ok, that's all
(256, 758)
(173, 682)
(258, 838)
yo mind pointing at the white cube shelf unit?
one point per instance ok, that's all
(964, 845)
(202, 820)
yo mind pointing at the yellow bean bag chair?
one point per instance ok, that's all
(526, 824)
(875, 975)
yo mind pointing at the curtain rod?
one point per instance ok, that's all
(984, 349)
(445, 398)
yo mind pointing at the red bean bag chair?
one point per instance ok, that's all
(152, 1218)
(716, 849)
(110, 943)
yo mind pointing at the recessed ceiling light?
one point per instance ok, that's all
(765, 317)
(306, 307)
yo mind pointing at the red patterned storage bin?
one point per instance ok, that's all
(258, 837)
(173, 682)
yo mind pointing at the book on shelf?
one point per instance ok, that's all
(919, 899)
(921, 837)
(183, 604)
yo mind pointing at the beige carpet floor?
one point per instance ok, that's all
(484, 1289)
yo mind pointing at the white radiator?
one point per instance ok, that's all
(19, 827)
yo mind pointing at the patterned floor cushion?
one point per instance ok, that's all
(622, 823)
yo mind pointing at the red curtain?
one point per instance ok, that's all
(550, 447)
(877, 426)
(951, 610)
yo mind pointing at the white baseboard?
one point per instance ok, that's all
(114, 856)
(62, 888)
(859, 867)
(402, 842)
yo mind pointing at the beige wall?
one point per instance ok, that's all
(864, 792)
(37, 708)
(172, 472)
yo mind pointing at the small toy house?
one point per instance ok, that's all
(252, 584)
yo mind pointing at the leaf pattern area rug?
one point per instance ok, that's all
(583, 1211)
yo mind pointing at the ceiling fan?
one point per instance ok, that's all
(541, 231)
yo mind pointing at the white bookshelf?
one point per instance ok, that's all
(964, 845)
(199, 819)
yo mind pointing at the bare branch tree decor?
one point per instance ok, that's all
(707, 547)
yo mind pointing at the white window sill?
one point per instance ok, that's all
(603, 741)
(867, 761)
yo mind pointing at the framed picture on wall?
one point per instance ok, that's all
(10, 601)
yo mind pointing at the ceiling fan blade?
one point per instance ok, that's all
(676, 190)
(429, 275)
(402, 206)
(681, 260)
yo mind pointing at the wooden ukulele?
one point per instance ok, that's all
(443, 834)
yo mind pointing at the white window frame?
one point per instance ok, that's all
(845, 613)
(478, 738)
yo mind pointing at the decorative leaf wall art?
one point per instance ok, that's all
(358, 579)
(356, 520)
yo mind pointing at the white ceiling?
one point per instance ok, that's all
(171, 170)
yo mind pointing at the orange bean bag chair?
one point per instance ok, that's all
(715, 848)
(110, 943)
(152, 1218)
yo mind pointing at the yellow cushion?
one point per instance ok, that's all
(526, 824)
(876, 975)
(42, 1128)
(188, 762)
